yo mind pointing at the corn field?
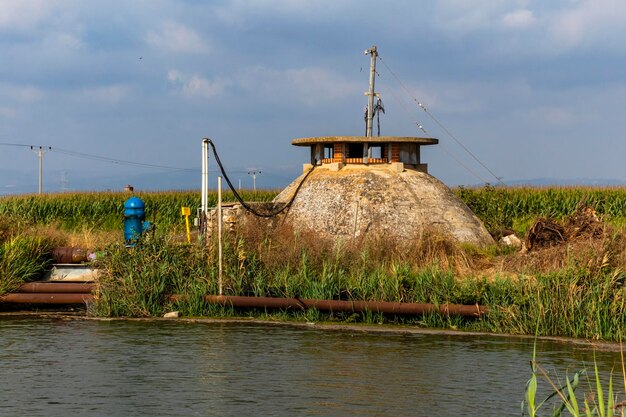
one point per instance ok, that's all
(515, 208)
(105, 210)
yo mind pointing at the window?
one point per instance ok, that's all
(355, 150)
(376, 151)
(329, 151)
(409, 153)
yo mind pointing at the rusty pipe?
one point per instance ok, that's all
(348, 306)
(69, 255)
(46, 298)
(56, 287)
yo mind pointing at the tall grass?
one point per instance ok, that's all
(498, 207)
(22, 259)
(104, 210)
(566, 397)
(515, 207)
(573, 290)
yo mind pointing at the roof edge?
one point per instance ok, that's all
(364, 139)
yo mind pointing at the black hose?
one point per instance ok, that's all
(246, 205)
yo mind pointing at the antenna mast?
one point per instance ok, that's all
(370, 103)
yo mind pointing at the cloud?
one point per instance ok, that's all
(109, 94)
(23, 14)
(21, 93)
(519, 19)
(174, 37)
(63, 41)
(197, 86)
(240, 11)
(7, 112)
(590, 22)
(309, 85)
(552, 116)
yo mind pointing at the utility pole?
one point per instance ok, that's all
(40, 151)
(254, 174)
(370, 102)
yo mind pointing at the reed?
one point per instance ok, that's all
(565, 397)
(515, 207)
(577, 300)
(575, 289)
(104, 210)
(22, 259)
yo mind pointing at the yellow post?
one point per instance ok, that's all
(186, 212)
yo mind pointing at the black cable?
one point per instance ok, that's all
(116, 161)
(14, 144)
(420, 105)
(246, 205)
(377, 109)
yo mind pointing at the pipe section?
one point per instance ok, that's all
(46, 298)
(56, 287)
(69, 255)
(348, 306)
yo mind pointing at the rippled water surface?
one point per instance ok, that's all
(123, 368)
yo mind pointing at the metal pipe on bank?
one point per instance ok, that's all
(79, 293)
(46, 298)
(56, 287)
(385, 307)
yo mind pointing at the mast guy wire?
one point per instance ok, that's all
(420, 105)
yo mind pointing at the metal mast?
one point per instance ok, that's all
(370, 103)
(40, 152)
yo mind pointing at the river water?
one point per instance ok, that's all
(52, 367)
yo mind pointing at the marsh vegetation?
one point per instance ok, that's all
(574, 287)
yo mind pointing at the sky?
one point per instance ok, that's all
(532, 89)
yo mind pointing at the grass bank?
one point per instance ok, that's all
(584, 296)
(573, 289)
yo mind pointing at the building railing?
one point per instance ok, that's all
(369, 161)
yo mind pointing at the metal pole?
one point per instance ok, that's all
(370, 102)
(205, 174)
(40, 153)
(253, 174)
(205, 183)
(219, 232)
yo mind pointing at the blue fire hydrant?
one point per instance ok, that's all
(134, 216)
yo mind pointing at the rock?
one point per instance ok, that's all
(171, 315)
(511, 240)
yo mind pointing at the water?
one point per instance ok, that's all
(51, 367)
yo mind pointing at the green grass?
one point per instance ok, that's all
(576, 302)
(22, 259)
(567, 398)
(104, 210)
(516, 207)
(583, 296)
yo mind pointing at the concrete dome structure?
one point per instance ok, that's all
(365, 185)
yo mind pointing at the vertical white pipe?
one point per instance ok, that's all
(219, 232)
(205, 175)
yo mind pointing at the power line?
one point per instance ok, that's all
(117, 161)
(93, 157)
(15, 144)
(420, 105)
(447, 151)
